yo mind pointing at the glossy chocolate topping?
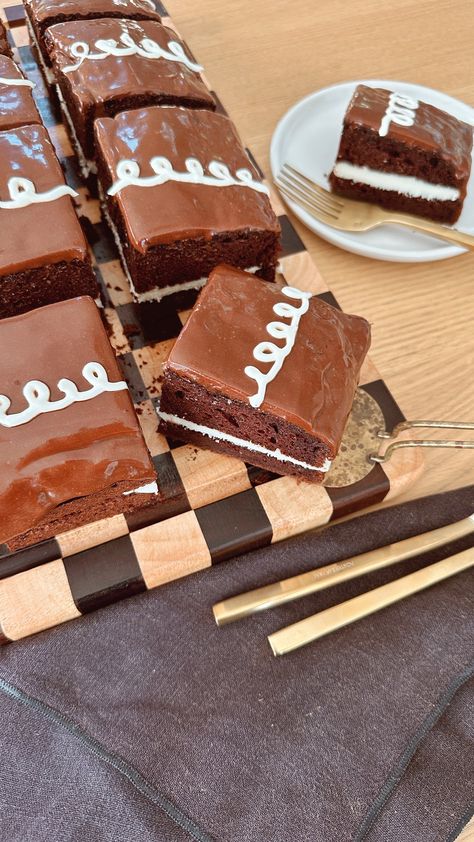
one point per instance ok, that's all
(433, 130)
(173, 210)
(43, 233)
(98, 81)
(314, 388)
(46, 11)
(17, 107)
(71, 452)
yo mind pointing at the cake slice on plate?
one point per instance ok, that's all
(71, 448)
(264, 373)
(403, 154)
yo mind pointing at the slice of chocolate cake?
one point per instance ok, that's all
(41, 14)
(71, 449)
(4, 45)
(17, 106)
(403, 154)
(108, 65)
(43, 254)
(182, 196)
(264, 373)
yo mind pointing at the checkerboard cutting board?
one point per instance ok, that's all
(214, 507)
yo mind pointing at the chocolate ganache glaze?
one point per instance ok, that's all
(17, 107)
(176, 210)
(315, 386)
(103, 76)
(42, 232)
(433, 130)
(72, 452)
(44, 12)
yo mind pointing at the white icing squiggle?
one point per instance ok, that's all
(268, 352)
(17, 83)
(248, 445)
(400, 110)
(407, 185)
(38, 395)
(128, 175)
(146, 49)
(23, 193)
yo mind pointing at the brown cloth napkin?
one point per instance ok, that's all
(145, 721)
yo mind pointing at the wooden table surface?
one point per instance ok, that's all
(263, 57)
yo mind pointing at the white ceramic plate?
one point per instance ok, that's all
(308, 137)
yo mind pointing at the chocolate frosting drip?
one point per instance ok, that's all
(121, 77)
(73, 452)
(45, 11)
(17, 107)
(39, 234)
(315, 387)
(174, 211)
(433, 130)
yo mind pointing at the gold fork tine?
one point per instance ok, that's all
(313, 187)
(311, 207)
(308, 194)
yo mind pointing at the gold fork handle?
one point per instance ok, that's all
(440, 231)
(278, 593)
(299, 634)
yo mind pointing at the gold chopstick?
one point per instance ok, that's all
(278, 593)
(299, 634)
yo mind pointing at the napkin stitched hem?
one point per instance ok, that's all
(461, 824)
(127, 771)
(400, 768)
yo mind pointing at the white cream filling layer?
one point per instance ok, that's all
(160, 292)
(405, 184)
(150, 488)
(218, 435)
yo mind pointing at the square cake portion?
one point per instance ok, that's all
(43, 255)
(108, 65)
(182, 196)
(264, 373)
(71, 448)
(403, 154)
(17, 106)
(41, 14)
(4, 45)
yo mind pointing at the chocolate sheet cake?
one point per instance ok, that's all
(181, 197)
(403, 154)
(108, 65)
(42, 14)
(17, 106)
(71, 448)
(4, 45)
(264, 373)
(43, 256)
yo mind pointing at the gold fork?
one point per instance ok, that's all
(347, 215)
